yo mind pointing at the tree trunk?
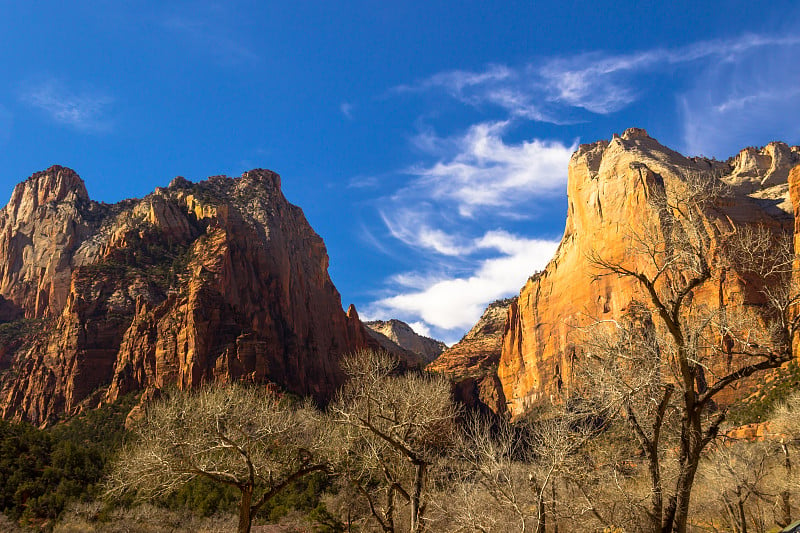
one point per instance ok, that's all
(541, 526)
(683, 492)
(416, 495)
(388, 524)
(245, 510)
(786, 502)
(742, 516)
(690, 449)
(657, 500)
(553, 506)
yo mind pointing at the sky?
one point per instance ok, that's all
(426, 141)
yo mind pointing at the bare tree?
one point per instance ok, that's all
(734, 480)
(244, 437)
(494, 490)
(525, 476)
(785, 429)
(690, 344)
(392, 427)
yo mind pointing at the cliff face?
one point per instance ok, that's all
(472, 362)
(394, 334)
(48, 216)
(794, 193)
(608, 188)
(219, 280)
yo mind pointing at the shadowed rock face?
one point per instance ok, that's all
(608, 189)
(219, 280)
(472, 362)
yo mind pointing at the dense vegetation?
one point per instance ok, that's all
(42, 470)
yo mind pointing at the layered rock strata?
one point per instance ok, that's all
(219, 280)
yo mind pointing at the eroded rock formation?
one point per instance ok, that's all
(608, 190)
(472, 362)
(219, 280)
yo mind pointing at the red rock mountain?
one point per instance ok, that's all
(218, 280)
(608, 189)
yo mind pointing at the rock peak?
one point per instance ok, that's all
(51, 185)
(764, 167)
(635, 133)
(611, 187)
(262, 175)
(401, 334)
(179, 182)
(222, 281)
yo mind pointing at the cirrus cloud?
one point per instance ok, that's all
(85, 110)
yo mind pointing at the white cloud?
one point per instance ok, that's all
(455, 304)
(455, 82)
(421, 329)
(480, 170)
(477, 177)
(83, 110)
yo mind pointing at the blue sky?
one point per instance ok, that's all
(427, 142)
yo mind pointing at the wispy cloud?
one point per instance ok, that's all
(481, 170)
(473, 179)
(211, 28)
(598, 82)
(476, 175)
(85, 110)
(754, 97)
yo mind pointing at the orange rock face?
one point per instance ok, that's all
(608, 190)
(794, 193)
(219, 280)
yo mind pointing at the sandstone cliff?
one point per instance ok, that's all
(395, 335)
(217, 280)
(608, 189)
(472, 362)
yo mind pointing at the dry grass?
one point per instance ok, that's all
(146, 518)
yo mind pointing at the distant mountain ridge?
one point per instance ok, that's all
(396, 333)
